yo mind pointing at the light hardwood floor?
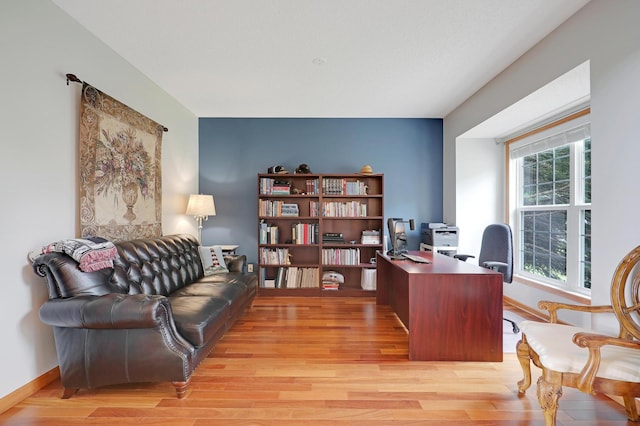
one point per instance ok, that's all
(319, 361)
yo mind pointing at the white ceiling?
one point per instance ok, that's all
(320, 58)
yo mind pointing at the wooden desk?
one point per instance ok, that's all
(452, 309)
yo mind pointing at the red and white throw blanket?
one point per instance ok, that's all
(92, 253)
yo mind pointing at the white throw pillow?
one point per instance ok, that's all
(212, 260)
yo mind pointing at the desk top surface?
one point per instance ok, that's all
(440, 264)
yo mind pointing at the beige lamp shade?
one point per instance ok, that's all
(200, 205)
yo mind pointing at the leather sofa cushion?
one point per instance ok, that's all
(249, 282)
(199, 318)
(231, 293)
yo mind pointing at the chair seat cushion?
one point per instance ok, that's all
(555, 348)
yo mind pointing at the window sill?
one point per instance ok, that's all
(573, 296)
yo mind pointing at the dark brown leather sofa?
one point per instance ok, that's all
(153, 317)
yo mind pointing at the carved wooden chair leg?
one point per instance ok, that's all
(631, 408)
(181, 388)
(69, 392)
(549, 392)
(522, 350)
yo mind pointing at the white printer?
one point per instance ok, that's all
(439, 237)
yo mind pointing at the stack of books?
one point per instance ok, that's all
(280, 188)
(331, 280)
(328, 285)
(332, 237)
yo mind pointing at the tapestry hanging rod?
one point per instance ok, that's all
(72, 77)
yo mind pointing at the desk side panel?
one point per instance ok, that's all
(455, 317)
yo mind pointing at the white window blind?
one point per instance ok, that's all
(569, 132)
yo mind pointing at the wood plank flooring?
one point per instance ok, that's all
(319, 361)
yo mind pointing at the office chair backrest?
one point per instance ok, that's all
(497, 246)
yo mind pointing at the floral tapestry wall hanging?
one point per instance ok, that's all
(120, 176)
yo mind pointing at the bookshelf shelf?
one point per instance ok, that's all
(335, 213)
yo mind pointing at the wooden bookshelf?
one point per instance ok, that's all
(318, 223)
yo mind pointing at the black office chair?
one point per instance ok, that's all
(496, 253)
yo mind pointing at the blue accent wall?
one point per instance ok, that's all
(234, 150)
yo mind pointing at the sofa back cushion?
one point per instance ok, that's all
(156, 265)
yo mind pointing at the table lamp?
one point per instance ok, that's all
(201, 207)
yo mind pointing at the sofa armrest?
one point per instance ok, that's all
(108, 311)
(235, 262)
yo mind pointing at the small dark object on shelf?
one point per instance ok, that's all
(277, 170)
(303, 168)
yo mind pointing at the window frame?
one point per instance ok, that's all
(575, 209)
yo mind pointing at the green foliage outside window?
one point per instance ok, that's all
(547, 182)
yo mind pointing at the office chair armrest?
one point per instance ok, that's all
(463, 257)
(553, 308)
(492, 264)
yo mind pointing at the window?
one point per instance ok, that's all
(550, 195)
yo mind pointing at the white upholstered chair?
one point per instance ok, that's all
(590, 361)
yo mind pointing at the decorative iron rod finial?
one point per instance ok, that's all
(72, 77)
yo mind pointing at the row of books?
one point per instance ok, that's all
(269, 234)
(312, 186)
(346, 209)
(276, 208)
(275, 256)
(307, 233)
(304, 233)
(341, 186)
(335, 256)
(294, 277)
(298, 277)
(368, 279)
(314, 208)
(269, 186)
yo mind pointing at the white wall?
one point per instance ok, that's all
(608, 34)
(39, 44)
(480, 191)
